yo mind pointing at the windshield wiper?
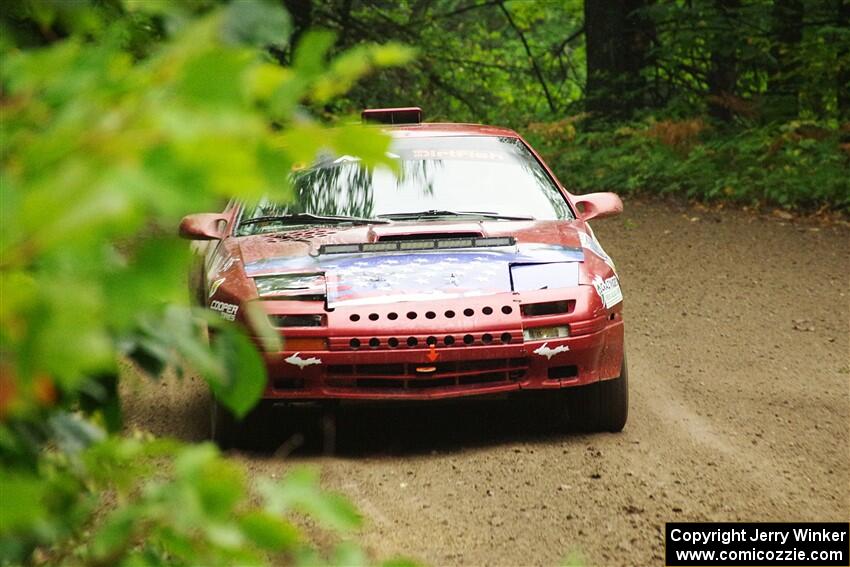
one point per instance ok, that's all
(439, 213)
(308, 218)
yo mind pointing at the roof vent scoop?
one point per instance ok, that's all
(407, 115)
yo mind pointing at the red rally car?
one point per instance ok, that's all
(469, 272)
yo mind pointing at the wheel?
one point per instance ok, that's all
(251, 431)
(614, 401)
(603, 406)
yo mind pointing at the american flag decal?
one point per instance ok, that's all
(363, 278)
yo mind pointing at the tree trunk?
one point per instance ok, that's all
(301, 12)
(843, 70)
(783, 87)
(722, 76)
(617, 36)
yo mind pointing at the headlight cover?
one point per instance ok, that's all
(283, 285)
(553, 275)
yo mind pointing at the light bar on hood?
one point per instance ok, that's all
(408, 245)
(406, 115)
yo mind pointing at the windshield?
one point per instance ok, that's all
(484, 174)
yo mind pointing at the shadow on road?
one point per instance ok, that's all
(181, 409)
(392, 430)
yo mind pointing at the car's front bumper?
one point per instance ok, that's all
(478, 354)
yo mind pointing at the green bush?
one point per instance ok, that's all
(117, 121)
(800, 165)
(126, 501)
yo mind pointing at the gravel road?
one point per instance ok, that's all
(738, 336)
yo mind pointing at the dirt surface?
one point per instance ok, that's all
(738, 337)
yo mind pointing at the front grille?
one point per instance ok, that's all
(288, 383)
(426, 341)
(403, 376)
(467, 311)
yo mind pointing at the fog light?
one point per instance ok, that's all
(545, 333)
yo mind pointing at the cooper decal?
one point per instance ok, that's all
(226, 310)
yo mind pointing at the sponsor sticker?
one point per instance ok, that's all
(591, 243)
(215, 285)
(608, 290)
(550, 352)
(226, 310)
(302, 362)
(221, 263)
(481, 155)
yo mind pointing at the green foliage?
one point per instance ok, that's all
(753, 75)
(695, 40)
(154, 502)
(795, 165)
(471, 63)
(101, 147)
(118, 119)
(476, 64)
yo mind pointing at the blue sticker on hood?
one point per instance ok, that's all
(355, 279)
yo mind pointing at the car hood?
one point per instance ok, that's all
(538, 255)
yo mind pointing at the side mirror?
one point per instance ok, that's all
(598, 205)
(203, 226)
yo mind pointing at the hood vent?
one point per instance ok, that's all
(427, 236)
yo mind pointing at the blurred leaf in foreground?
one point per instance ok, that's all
(118, 119)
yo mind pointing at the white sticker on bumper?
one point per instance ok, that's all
(301, 362)
(550, 352)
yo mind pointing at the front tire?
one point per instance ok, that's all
(603, 406)
(614, 401)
